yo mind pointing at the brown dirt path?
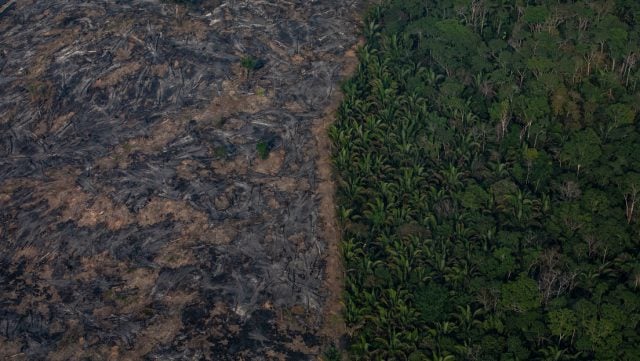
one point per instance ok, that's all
(333, 325)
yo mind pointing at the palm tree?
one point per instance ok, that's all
(352, 189)
(389, 191)
(438, 357)
(350, 249)
(451, 178)
(430, 76)
(404, 257)
(468, 149)
(392, 46)
(361, 346)
(353, 313)
(371, 32)
(392, 298)
(439, 261)
(500, 170)
(467, 318)
(401, 215)
(488, 239)
(392, 347)
(410, 179)
(376, 213)
(405, 315)
(555, 353)
(521, 205)
(460, 272)
(343, 159)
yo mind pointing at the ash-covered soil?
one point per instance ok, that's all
(137, 220)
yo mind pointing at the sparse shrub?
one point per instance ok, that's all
(263, 149)
(331, 354)
(251, 63)
(220, 152)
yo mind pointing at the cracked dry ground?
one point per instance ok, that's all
(136, 219)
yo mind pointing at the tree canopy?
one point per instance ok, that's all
(488, 159)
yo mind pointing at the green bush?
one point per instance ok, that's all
(331, 354)
(251, 63)
(263, 149)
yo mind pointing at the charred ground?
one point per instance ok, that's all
(137, 220)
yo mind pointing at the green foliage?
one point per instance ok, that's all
(520, 295)
(621, 114)
(488, 162)
(583, 149)
(251, 63)
(475, 197)
(220, 151)
(562, 322)
(535, 14)
(263, 148)
(432, 302)
(331, 354)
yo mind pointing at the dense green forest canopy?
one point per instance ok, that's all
(488, 156)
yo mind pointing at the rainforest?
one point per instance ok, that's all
(487, 155)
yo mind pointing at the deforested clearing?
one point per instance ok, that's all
(161, 178)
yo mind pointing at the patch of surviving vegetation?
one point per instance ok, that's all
(251, 63)
(488, 155)
(263, 149)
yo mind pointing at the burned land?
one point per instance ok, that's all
(165, 187)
